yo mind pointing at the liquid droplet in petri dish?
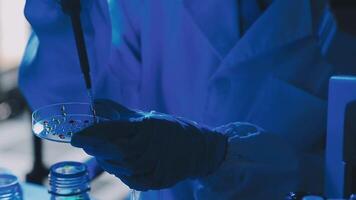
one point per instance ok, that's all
(63, 110)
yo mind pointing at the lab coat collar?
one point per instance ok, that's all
(282, 23)
(218, 21)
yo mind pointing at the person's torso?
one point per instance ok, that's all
(273, 76)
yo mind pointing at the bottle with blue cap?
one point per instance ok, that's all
(69, 180)
(9, 187)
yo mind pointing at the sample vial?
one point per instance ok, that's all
(10, 188)
(69, 180)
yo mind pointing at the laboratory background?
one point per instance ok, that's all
(205, 102)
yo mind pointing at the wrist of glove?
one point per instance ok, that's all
(151, 150)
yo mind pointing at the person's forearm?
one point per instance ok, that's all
(252, 154)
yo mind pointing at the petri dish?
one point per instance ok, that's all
(58, 122)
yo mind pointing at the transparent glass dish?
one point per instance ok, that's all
(58, 122)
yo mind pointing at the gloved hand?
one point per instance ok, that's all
(151, 150)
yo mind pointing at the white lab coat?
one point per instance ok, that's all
(186, 58)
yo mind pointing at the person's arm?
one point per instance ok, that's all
(257, 165)
(150, 151)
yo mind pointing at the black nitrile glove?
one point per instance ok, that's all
(151, 150)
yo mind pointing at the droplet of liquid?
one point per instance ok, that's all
(63, 110)
(61, 136)
(46, 129)
(56, 121)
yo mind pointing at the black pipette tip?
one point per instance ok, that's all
(70, 7)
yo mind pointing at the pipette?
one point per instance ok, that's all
(73, 8)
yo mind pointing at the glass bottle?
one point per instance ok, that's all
(69, 181)
(9, 187)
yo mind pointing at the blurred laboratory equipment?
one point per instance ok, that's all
(340, 166)
(69, 180)
(13, 41)
(12, 104)
(10, 188)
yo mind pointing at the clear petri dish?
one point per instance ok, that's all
(58, 122)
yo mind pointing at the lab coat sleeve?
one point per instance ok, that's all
(50, 72)
(258, 165)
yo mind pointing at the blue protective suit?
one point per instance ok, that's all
(188, 58)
